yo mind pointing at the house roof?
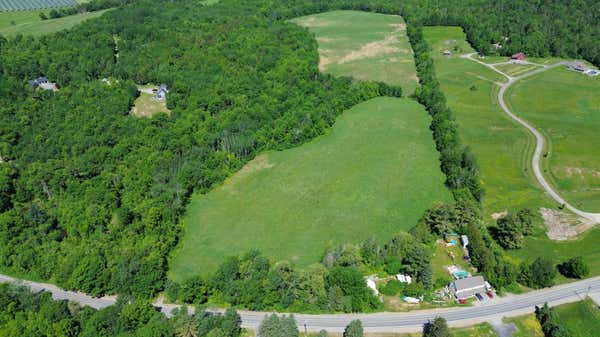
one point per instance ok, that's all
(469, 283)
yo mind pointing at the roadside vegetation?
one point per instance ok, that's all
(578, 319)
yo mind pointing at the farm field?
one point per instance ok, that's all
(29, 22)
(581, 319)
(502, 148)
(565, 106)
(293, 204)
(366, 46)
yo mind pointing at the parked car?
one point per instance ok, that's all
(490, 294)
(479, 297)
(462, 301)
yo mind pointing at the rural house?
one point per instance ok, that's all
(36, 82)
(518, 57)
(467, 287)
(162, 92)
(42, 82)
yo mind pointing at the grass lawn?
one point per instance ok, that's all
(565, 106)
(29, 22)
(503, 148)
(581, 319)
(339, 188)
(366, 46)
(527, 326)
(445, 256)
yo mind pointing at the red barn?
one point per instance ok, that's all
(519, 56)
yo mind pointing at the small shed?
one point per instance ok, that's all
(465, 240)
(467, 287)
(519, 56)
(371, 285)
(447, 52)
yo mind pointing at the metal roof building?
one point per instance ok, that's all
(467, 287)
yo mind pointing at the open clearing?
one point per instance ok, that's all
(29, 22)
(339, 188)
(147, 105)
(565, 106)
(366, 46)
(581, 319)
(502, 147)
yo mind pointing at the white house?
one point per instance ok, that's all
(162, 92)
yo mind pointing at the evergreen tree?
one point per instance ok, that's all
(437, 328)
(354, 329)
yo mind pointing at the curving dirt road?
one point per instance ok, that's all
(539, 147)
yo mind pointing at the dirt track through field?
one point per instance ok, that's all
(539, 147)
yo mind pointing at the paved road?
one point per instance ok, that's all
(539, 147)
(493, 310)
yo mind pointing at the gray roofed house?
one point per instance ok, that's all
(43, 83)
(467, 287)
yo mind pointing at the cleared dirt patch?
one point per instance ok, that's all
(563, 226)
(499, 215)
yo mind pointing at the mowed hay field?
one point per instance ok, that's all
(502, 147)
(565, 106)
(373, 175)
(366, 46)
(30, 23)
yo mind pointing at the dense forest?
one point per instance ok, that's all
(90, 197)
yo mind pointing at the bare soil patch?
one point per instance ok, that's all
(562, 226)
(499, 215)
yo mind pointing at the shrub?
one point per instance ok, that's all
(391, 288)
(574, 267)
(539, 274)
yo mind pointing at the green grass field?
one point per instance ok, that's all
(503, 148)
(364, 45)
(581, 319)
(339, 188)
(29, 22)
(565, 106)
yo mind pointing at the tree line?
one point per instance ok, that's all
(91, 6)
